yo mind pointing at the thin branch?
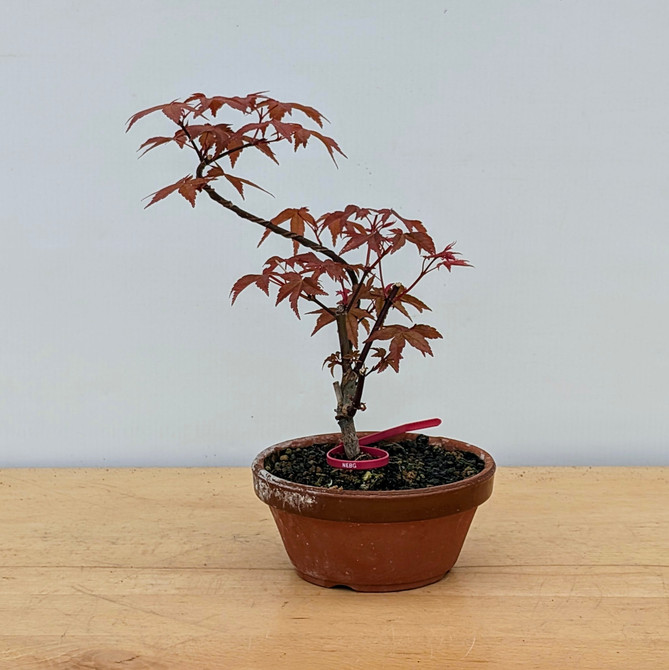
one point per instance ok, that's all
(359, 369)
(242, 213)
(366, 272)
(313, 298)
(305, 242)
(425, 270)
(196, 149)
(345, 346)
(338, 393)
(390, 298)
(357, 398)
(353, 300)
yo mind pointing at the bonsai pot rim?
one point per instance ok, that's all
(373, 506)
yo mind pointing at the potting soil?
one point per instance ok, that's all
(414, 464)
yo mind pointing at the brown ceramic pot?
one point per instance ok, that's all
(373, 540)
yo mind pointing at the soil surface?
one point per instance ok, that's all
(414, 464)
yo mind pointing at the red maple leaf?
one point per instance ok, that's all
(213, 105)
(173, 110)
(411, 224)
(187, 186)
(299, 218)
(448, 258)
(334, 223)
(422, 240)
(294, 286)
(262, 281)
(312, 113)
(409, 300)
(399, 336)
(324, 318)
(332, 361)
(238, 182)
(153, 142)
(264, 148)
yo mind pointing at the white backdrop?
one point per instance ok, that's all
(532, 132)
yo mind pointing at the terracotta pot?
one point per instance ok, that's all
(373, 540)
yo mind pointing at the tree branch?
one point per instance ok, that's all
(242, 213)
(313, 298)
(390, 298)
(304, 241)
(359, 369)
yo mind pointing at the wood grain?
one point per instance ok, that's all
(183, 569)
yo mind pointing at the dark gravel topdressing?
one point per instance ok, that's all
(414, 464)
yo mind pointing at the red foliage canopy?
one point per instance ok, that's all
(338, 257)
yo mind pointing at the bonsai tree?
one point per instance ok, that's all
(336, 268)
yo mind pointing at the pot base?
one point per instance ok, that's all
(371, 588)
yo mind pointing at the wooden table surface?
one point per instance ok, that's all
(180, 569)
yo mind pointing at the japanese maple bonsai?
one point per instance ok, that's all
(337, 260)
(336, 270)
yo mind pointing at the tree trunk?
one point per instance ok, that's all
(349, 438)
(345, 412)
(346, 392)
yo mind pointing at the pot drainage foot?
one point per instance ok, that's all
(371, 588)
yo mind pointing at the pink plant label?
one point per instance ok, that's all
(380, 456)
